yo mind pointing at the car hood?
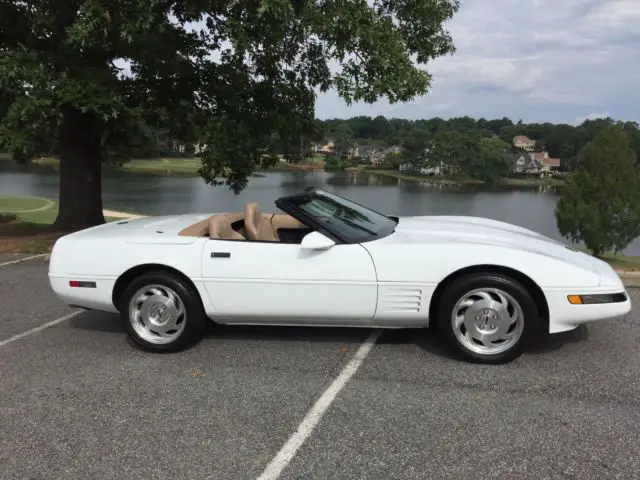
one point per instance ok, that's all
(460, 228)
(478, 230)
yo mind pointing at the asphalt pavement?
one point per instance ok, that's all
(80, 401)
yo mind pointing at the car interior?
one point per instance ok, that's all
(250, 225)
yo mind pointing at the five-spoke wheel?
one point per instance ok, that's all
(162, 312)
(488, 317)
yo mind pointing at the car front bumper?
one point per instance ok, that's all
(595, 305)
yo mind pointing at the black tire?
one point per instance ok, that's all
(195, 318)
(462, 286)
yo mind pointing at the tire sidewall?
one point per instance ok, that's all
(466, 284)
(195, 317)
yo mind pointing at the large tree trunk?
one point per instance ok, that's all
(80, 171)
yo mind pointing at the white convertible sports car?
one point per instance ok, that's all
(490, 288)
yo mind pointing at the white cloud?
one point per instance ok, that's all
(536, 60)
(592, 116)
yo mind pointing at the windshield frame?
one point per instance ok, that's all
(290, 204)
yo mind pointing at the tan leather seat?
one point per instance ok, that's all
(258, 228)
(220, 227)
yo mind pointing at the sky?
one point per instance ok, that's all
(561, 61)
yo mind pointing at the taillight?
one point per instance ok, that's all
(81, 284)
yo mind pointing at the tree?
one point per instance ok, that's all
(414, 152)
(454, 150)
(91, 72)
(342, 139)
(490, 162)
(601, 201)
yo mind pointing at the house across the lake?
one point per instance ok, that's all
(534, 163)
(376, 154)
(523, 142)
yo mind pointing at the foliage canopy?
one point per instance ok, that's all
(600, 205)
(240, 77)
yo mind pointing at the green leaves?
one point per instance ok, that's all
(491, 160)
(238, 76)
(601, 201)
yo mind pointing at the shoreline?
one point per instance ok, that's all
(41, 242)
(188, 167)
(504, 181)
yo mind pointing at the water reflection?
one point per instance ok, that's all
(531, 207)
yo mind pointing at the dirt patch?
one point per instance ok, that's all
(39, 243)
(24, 237)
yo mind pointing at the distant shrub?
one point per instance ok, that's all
(7, 217)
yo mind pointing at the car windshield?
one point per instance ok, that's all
(351, 222)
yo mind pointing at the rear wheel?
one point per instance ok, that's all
(161, 312)
(488, 317)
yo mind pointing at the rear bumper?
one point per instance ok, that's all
(94, 298)
(564, 316)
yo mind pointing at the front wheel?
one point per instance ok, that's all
(162, 313)
(488, 317)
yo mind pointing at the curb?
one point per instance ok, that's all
(631, 283)
(32, 257)
(630, 279)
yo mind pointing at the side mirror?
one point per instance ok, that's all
(316, 241)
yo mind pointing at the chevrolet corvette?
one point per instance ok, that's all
(489, 288)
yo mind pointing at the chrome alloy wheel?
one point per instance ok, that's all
(157, 314)
(487, 321)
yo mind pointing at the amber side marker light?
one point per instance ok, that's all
(575, 299)
(597, 298)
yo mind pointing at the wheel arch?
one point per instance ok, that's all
(127, 277)
(535, 290)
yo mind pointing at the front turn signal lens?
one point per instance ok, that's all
(597, 298)
(574, 299)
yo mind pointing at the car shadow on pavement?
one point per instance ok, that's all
(111, 323)
(270, 333)
(556, 341)
(432, 341)
(429, 340)
(97, 322)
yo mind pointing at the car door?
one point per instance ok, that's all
(272, 282)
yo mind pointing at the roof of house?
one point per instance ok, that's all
(523, 139)
(368, 149)
(540, 156)
(553, 162)
(393, 149)
(530, 158)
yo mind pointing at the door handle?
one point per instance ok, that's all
(220, 255)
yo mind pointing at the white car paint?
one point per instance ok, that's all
(287, 283)
(386, 282)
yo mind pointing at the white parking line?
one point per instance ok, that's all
(313, 417)
(41, 327)
(20, 260)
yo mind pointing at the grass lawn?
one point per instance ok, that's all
(554, 182)
(168, 166)
(464, 181)
(25, 224)
(420, 178)
(187, 166)
(458, 181)
(622, 262)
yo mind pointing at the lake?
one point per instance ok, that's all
(530, 207)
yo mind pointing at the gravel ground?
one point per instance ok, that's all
(79, 401)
